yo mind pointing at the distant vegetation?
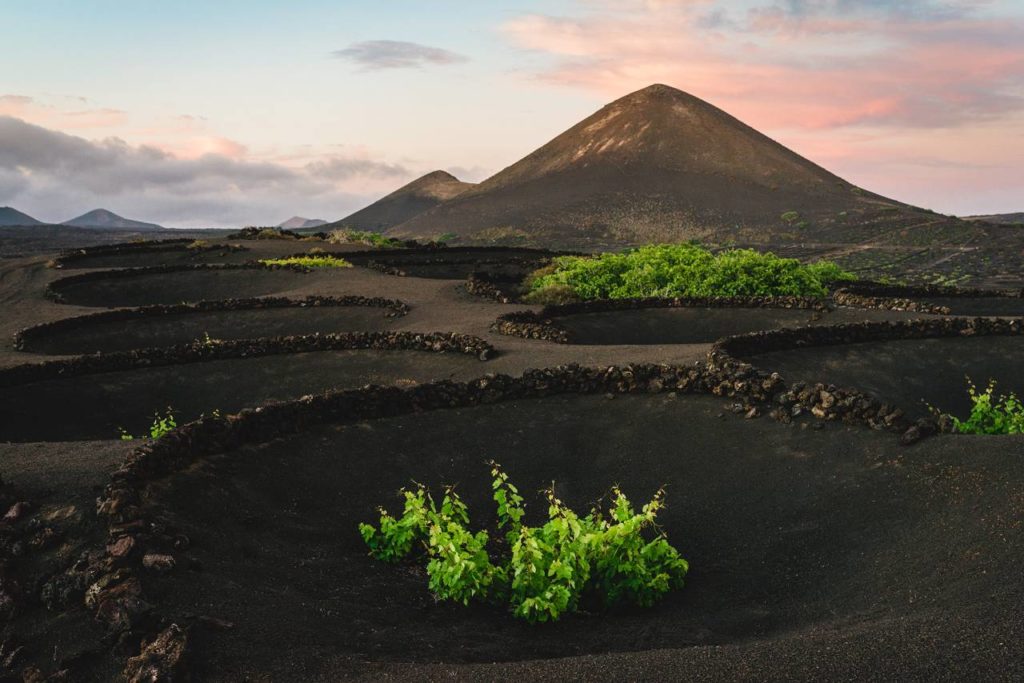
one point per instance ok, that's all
(671, 270)
(374, 239)
(991, 413)
(308, 261)
(544, 571)
(161, 425)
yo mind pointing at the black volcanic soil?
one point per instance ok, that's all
(182, 328)
(457, 264)
(182, 255)
(699, 325)
(16, 241)
(94, 406)
(909, 373)
(800, 541)
(185, 286)
(460, 271)
(141, 259)
(817, 555)
(981, 306)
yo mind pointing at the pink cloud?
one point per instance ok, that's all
(29, 109)
(884, 70)
(925, 105)
(196, 147)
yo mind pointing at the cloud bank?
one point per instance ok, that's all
(54, 175)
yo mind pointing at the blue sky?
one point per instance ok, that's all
(226, 113)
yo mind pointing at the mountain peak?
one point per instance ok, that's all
(104, 218)
(435, 176)
(11, 216)
(411, 199)
(657, 90)
(656, 164)
(299, 222)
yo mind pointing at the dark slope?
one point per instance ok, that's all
(11, 216)
(656, 164)
(1001, 218)
(404, 203)
(101, 218)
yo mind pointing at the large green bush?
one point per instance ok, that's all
(670, 270)
(542, 572)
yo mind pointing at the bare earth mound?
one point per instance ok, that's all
(808, 549)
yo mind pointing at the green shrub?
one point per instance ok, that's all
(160, 426)
(790, 216)
(273, 234)
(543, 571)
(684, 270)
(991, 413)
(198, 245)
(373, 239)
(310, 261)
(552, 295)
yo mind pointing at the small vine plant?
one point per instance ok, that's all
(542, 572)
(991, 413)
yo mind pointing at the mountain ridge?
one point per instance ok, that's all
(411, 199)
(10, 216)
(103, 218)
(658, 164)
(298, 223)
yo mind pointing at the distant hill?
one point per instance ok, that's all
(1001, 218)
(101, 218)
(407, 201)
(298, 223)
(656, 165)
(11, 216)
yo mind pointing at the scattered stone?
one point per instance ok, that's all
(122, 547)
(911, 436)
(163, 660)
(17, 511)
(157, 562)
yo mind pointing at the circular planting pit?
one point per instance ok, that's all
(178, 254)
(909, 373)
(460, 271)
(172, 286)
(980, 306)
(807, 548)
(698, 325)
(106, 335)
(94, 406)
(454, 263)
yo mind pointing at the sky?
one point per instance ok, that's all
(219, 114)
